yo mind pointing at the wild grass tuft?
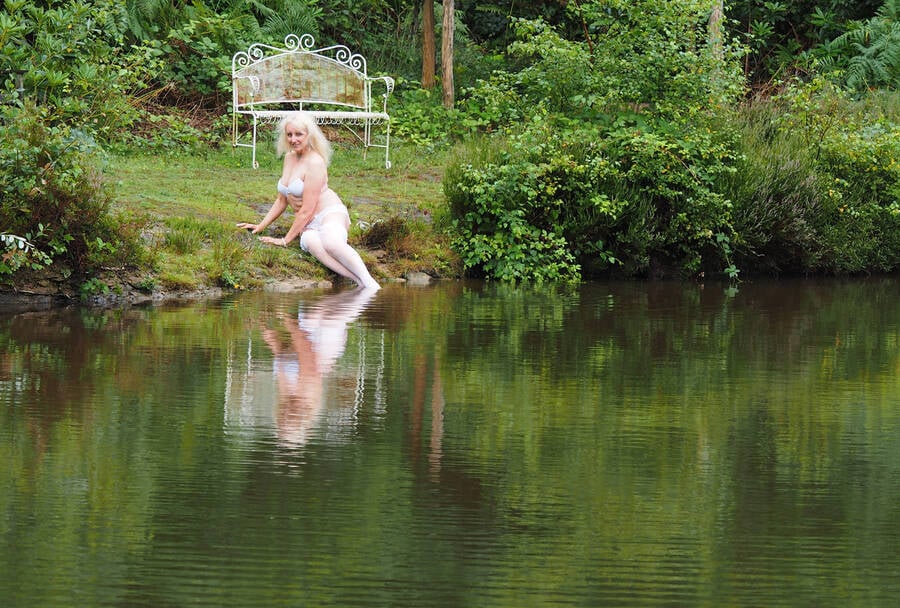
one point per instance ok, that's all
(228, 267)
(184, 235)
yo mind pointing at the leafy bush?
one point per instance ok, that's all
(817, 190)
(650, 53)
(555, 71)
(70, 58)
(418, 117)
(491, 207)
(556, 202)
(616, 167)
(17, 252)
(194, 57)
(52, 190)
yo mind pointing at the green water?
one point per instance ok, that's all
(476, 445)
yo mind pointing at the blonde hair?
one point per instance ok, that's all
(303, 120)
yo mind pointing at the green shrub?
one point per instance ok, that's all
(491, 207)
(669, 172)
(817, 188)
(418, 117)
(641, 53)
(194, 56)
(54, 191)
(558, 201)
(17, 252)
(72, 61)
(554, 71)
(865, 231)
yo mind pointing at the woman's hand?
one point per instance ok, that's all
(273, 241)
(254, 228)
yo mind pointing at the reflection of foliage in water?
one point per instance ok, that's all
(646, 424)
(665, 379)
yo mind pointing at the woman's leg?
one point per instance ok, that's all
(313, 244)
(334, 240)
(329, 245)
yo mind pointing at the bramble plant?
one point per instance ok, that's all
(19, 252)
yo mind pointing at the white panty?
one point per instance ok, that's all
(316, 224)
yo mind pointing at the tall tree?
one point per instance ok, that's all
(428, 44)
(715, 28)
(447, 55)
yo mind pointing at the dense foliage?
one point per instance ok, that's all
(54, 195)
(680, 178)
(818, 184)
(867, 55)
(623, 136)
(631, 197)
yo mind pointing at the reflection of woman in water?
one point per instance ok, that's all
(316, 341)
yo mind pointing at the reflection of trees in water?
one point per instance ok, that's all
(420, 381)
(419, 323)
(628, 424)
(59, 358)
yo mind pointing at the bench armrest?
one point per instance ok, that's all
(388, 84)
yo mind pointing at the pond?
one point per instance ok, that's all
(460, 444)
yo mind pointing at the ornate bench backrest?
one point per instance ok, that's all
(331, 82)
(298, 73)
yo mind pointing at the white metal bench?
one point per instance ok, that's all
(330, 83)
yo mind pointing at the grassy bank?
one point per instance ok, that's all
(185, 209)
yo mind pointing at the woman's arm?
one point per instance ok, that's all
(275, 211)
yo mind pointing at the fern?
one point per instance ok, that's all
(145, 17)
(292, 17)
(870, 50)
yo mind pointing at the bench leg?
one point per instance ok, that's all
(387, 145)
(255, 164)
(367, 140)
(367, 137)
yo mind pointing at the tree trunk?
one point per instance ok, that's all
(447, 55)
(715, 29)
(428, 44)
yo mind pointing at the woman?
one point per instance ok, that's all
(321, 220)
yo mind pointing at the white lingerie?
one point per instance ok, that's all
(295, 188)
(328, 338)
(315, 225)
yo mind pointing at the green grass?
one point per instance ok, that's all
(189, 205)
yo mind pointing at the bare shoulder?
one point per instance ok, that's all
(315, 166)
(315, 161)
